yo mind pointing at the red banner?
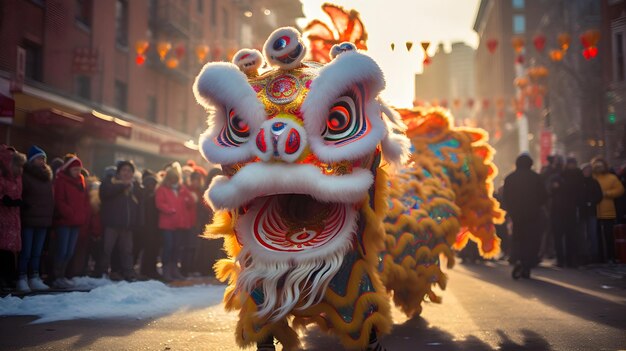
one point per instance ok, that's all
(545, 146)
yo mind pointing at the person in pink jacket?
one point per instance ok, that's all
(175, 203)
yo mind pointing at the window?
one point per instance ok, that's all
(200, 6)
(620, 73)
(214, 13)
(225, 22)
(518, 4)
(121, 23)
(121, 92)
(151, 114)
(519, 24)
(83, 87)
(83, 12)
(34, 62)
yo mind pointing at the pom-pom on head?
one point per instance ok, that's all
(249, 61)
(284, 48)
(341, 48)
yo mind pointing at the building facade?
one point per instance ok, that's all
(112, 79)
(449, 82)
(563, 111)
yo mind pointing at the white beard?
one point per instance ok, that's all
(290, 277)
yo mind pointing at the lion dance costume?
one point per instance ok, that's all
(304, 194)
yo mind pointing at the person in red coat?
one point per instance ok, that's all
(11, 163)
(72, 210)
(174, 202)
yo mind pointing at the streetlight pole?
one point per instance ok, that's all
(522, 119)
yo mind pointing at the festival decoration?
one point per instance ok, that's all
(202, 50)
(589, 39)
(409, 45)
(556, 55)
(179, 51)
(564, 41)
(172, 62)
(163, 47)
(518, 43)
(492, 44)
(347, 27)
(540, 42)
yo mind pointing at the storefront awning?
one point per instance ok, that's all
(173, 148)
(53, 118)
(106, 126)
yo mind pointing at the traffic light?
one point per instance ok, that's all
(611, 116)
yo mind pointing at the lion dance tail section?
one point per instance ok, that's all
(438, 202)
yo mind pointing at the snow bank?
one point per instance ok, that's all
(112, 300)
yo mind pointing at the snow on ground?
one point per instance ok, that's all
(108, 299)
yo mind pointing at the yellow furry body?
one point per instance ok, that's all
(442, 199)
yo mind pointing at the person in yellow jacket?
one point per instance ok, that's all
(612, 188)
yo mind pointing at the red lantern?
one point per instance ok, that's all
(590, 38)
(540, 42)
(140, 60)
(427, 61)
(492, 44)
(590, 52)
(470, 102)
(485, 103)
(519, 59)
(179, 51)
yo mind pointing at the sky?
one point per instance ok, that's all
(399, 21)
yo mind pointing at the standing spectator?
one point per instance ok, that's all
(552, 177)
(198, 214)
(11, 168)
(524, 196)
(592, 195)
(37, 192)
(89, 232)
(120, 215)
(148, 234)
(174, 202)
(72, 210)
(611, 189)
(570, 197)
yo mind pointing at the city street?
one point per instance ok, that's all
(483, 309)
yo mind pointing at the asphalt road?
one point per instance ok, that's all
(483, 309)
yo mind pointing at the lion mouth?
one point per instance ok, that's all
(296, 222)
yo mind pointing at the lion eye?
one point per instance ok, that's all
(235, 132)
(344, 120)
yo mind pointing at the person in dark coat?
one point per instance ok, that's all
(592, 195)
(568, 198)
(72, 211)
(524, 196)
(37, 193)
(148, 237)
(119, 213)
